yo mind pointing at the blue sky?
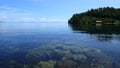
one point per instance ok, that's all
(48, 10)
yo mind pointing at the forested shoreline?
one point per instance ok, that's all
(105, 15)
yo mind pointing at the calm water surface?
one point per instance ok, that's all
(23, 45)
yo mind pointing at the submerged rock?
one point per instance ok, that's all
(45, 64)
(63, 56)
(66, 64)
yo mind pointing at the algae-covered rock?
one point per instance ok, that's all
(66, 64)
(64, 56)
(46, 64)
(81, 57)
(36, 55)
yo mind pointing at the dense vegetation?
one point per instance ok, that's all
(108, 15)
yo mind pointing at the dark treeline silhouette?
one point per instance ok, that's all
(107, 15)
(104, 33)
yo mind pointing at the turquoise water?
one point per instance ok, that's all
(53, 45)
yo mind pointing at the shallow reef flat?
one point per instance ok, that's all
(65, 56)
(60, 55)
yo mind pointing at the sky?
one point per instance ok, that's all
(48, 10)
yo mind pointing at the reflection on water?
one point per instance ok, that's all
(102, 33)
(55, 45)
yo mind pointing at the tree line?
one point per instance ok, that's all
(105, 14)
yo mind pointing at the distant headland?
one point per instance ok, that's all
(105, 15)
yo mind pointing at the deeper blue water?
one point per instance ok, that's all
(16, 39)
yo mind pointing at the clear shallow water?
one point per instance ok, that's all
(22, 44)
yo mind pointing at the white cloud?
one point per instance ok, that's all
(43, 19)
(7, 8)
(51, 20)
(26, 19)
(16, 15)
(3, 18)
(58, 20)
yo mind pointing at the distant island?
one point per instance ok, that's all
(105, 15)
